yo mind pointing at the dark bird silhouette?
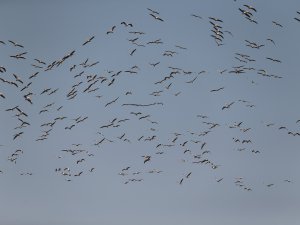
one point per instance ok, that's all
(126, 24)
(80, 160)
(17, 135)
(146, 158)
(2, 69)
(28, 98)
(196, 16)
(153, 11)
(111, 30)
(88, 40)
(125, 169)
(77, 175)
(215, 19)
(40, 61)
(191, 81)
(70, 127)
(277, 24)
(131, 53)
(218, 89)
(246, 13)
(111, 102)
(181, 181)
(156, 17)
(188, 175)
(227, 106)
(250, 7)
(297, 19)
(271, 40)
(19, 56)
(274, 60)
(17, 78)
(16, 44)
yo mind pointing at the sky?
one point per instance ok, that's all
(185, 140)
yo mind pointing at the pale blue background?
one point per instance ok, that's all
(51, 29)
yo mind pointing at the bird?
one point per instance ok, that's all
(17, 78)
(77, 175)
(297, 19)
(218, 89)
(250, 7)
(271, 40)
(196, 16)
(17, 135)
(40, 61)
(126, 24)
(274, 60)
(146, 158)
(88, 40)
(19, 56)
(156, 17)
(127, 168)
(255, 151)
(153, 11)
(80, 160)
(215, 19)
(277, 24)
(16, 44)
(246, 13)
(2, 69)
(70, 127)
(227, 106)
(181, 181)
(188, 175)
(191, 81)
(111, 102)
(28, 98)
(111, 30)
(131, 53)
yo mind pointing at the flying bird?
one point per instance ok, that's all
(277, 24)
(111, 30)
(88, 40)
(146, 158)
(126, 24)
(156, 17)
(250, 7)
(16, 44)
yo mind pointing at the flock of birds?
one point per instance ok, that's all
(192, 145)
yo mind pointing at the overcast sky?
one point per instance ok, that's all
(185, 114)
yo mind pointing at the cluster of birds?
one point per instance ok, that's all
(191, 144)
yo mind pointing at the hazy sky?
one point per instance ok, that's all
(223, 146)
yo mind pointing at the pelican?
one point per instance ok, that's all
(16, 44)
(111, 30)
(88, 40)
(146, 158)
(156, 17)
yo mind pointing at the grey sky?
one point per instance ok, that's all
(264, 98)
